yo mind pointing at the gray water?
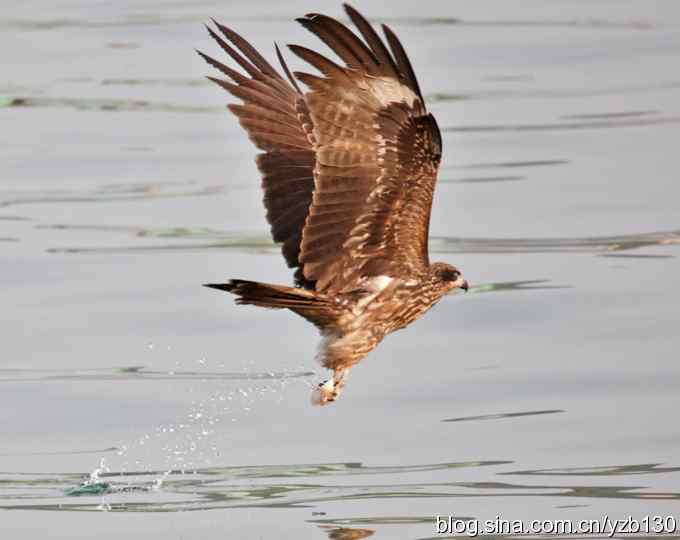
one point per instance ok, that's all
(134, 402)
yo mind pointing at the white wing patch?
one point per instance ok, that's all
(375, 286)
(387, 90)
(379, 283)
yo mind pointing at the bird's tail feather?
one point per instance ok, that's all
(311, 305)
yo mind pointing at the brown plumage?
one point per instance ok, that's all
(348, 172)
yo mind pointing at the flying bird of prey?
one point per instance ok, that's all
(348, 170)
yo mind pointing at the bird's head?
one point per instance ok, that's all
(449, 277)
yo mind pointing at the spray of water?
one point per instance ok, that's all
(194, 440)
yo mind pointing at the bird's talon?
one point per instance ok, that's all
(325, 392)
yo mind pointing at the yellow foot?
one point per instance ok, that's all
(325, 393)
(329, 390)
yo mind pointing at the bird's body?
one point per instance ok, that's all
(349, 170)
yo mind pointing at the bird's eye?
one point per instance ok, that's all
(451, 275)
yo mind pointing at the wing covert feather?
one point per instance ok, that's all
(349, 167)
(377, 156)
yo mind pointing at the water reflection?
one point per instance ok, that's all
(345, 533)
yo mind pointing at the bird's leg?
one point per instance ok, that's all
(340, 378)
(328, 391)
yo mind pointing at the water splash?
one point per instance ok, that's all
(93, 485)
(158, 484)
(94, 475)
(195, 438)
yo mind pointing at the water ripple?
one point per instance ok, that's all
(503, 415)
(593, 124)
(438, 244)
(104, 104)
(303, 486)
(61, 453)
(609, 116)
(548, 93)
(111, 193)
(608, 470)
(155, 82)
(481, 179)
(138, 373)
(158, 20)
(509, 164)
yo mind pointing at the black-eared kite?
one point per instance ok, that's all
(348, 167)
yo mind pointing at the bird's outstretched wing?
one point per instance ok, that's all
(348, 168)
(276, 117)
(377, 155)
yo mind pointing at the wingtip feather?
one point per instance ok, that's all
(228, 287)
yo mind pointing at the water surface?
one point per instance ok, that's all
(135, 402)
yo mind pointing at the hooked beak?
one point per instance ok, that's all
(465, 286)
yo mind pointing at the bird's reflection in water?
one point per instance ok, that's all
(345, 533)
